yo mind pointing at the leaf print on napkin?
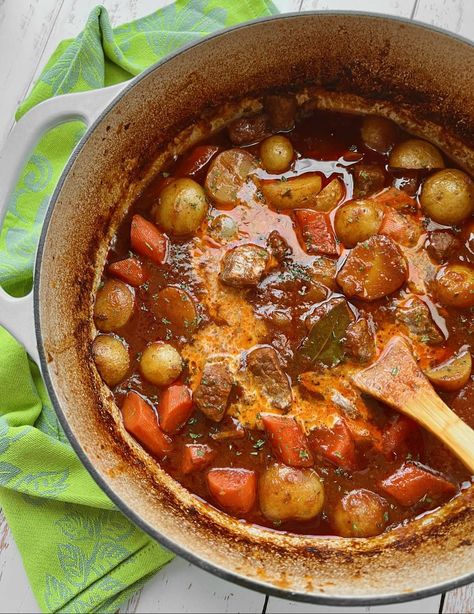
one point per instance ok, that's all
(74, 563)
(7, 473)
(78, 527)
(45, 483)
(81, 66)
(180, 23)
(56, 593)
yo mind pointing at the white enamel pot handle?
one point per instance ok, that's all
(16, 314)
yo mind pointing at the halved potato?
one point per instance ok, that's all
(228, 173)
(373, 269)
(452, 374)
(296, 193)
(330, 196)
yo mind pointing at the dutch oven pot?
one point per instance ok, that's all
(421, 77)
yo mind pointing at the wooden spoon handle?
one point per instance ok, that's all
(432, 413)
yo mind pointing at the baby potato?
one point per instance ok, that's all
(111, 358)
(276, 154)
(454, 285)
(182, 207)
(452, 374)
(378, 133)
(447, 197)
(113, 305)
(286, 493)
(223, 228)
(161, 363)
(357, 221)
(360, 513)
(373, 269)
(415, 154)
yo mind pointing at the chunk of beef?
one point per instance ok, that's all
(264, 363)
(246, 130)
(281, 109)
(277, 245)
(360, 340)
(368, 179)
(442, 244)
(212, 394)
(413, 312)
(243, 266)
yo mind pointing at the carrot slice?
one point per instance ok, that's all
(288, 440)
(393, 197)
(140, 421)
(147, 240)
(234, 489)
(317, 232)
(195, 457)
(399, 227)
(130, 270)
(413, 481)
(336, 444)
(397, 436)
(196, 160)
(175, 407)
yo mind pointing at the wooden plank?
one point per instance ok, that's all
(425, 606)
(460, 600)
(15, 591)
(403, 8)
(25, 26)
(454, 15)
(182, 587)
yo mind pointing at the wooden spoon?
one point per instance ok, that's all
(396, 379)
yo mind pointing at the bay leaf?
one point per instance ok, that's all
(324, 342)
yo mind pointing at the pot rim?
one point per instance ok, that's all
(260, 586)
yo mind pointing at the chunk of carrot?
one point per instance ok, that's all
(288, 440)
(398, 435)
(175, 408)
(147, 240)
(399, 228)
(130, 270)
(414, 481)
(335, 444)
(317, 232)
(196, 160)
(233, 489)
(195, 457)
(140, 421)
(393, 197)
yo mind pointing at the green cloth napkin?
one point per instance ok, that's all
(80, 553)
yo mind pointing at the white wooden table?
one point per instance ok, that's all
(29, 32)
